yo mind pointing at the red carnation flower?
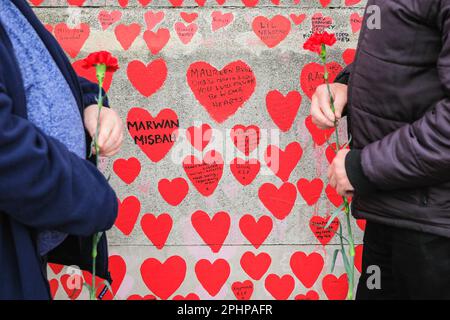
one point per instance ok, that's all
(101, 58)
(315, 42)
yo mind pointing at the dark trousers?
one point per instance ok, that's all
(412, 264)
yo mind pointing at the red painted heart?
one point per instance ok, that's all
(173, 191)
(212, 230)
(128, 213)
(147, 79)
(127, 169)
(279, 201)
(163, 278)
(205, 175)
(283, 109)
(212, 276)
(221, 92)
(256, 231)
(307, 268)
(282, 163)
(155, 136)
(245, 171)
(157, 229)
(255, 265)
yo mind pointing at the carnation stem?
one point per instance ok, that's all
(351, 250)
(96, 237)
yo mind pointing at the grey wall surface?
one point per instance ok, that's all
(273, 68)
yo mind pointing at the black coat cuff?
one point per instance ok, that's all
(356, 175)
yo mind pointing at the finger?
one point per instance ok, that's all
(319, 119)
(324, 104)
(340, 100)
(113, 140)
(106, 127)
(333, 182)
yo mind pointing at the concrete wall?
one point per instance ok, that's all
(183, 238)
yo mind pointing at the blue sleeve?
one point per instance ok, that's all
(90, 93)
(43, 185)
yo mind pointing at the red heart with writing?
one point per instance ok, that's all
(255, 231)
(255, 265)
(282, 163)
(283, 109)
(199, 137)
(317, 225)
(271, 31)
(242, 290)
(72, 39)
(246, 139)
(212, 276)
(155, 136)
(212, 230)
(205, 175)
(306, 268)
(127, 169)
(319, 22)
(126, 34)
(245, 171)
(225, 91)
(156, 41)
(163, 279)
(335, 288)
(106, 18)
(128, 213)
(279, 201)
(157, 229)
(147, 79)
(186, 32)
(312, 73)
(319, 136)
(280, 287)
(221, 20)
(355, 22)
(310, 190)
(173, 191)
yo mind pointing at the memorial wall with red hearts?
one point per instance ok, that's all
(221, 181)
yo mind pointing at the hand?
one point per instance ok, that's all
(337, 176)
(321, 113)
(110, 136)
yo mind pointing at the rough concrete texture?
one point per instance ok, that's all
(278, 67)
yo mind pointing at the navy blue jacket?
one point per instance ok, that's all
(43, 185)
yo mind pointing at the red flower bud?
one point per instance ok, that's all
(99, 58)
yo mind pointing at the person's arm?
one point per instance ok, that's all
(90, 93)
(43, 185)
(417, 154)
